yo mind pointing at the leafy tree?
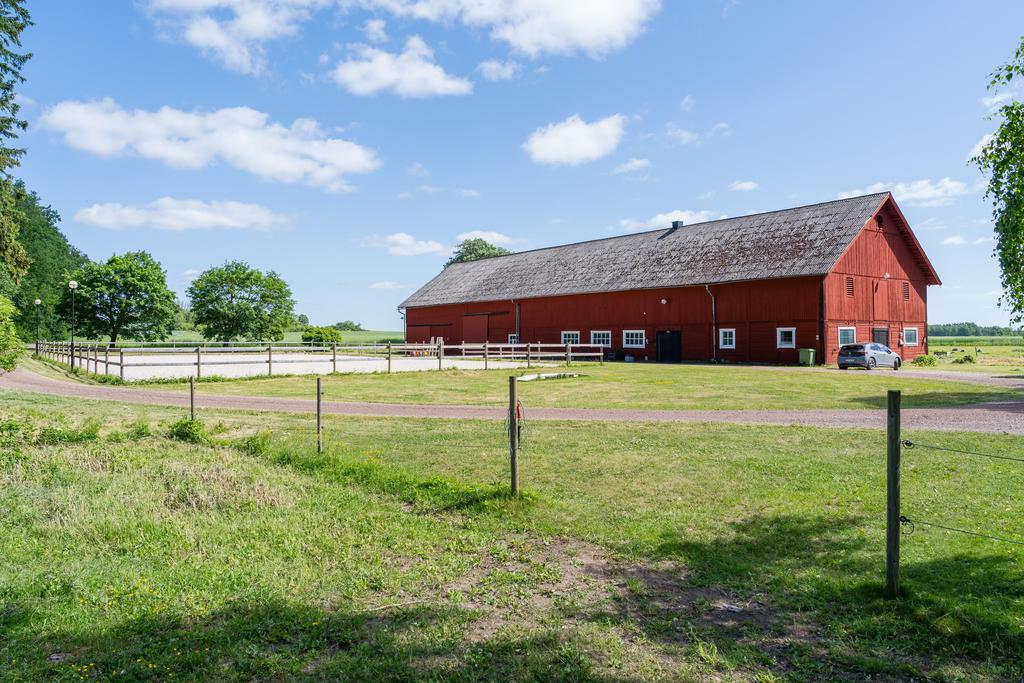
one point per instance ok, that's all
(1002, 159)
(14, 18)
(10, 345)
(52, 256)
(475, 249)
(302, 319)
(321, 335)
(126, 296)
(237, 301)
(348, 326)
(183, 318)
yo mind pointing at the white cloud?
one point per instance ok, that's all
(942, 192)
(985, 240)
(491, 236)
(684, 136)
(497, 70)
(996, 100)
(374, 31)
(429, 189)
(417, 170)
(239, 136)
(168, 213)
(388, 284)
(410, 73)
(574, 141)
(469, 192)
(664, 220)
(404, 244)
(633, 165)
(234, 32)
(190, 274)
(536, 27)
(687, 103)
(979, 145)
(743, 185)
(954, 240)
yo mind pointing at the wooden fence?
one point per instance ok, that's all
(99, 357)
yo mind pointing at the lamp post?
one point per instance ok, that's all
(72, 286)
(37, 302)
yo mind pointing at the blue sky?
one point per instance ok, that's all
(348, 144)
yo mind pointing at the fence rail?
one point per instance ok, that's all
(99, 357)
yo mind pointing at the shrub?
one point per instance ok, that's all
(190, 431)
(964, 359)
(139, 429)
(321, 335)
(88, 431)
(10, 345)
(926, 360)
(258, 444)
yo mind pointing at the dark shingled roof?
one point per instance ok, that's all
(807, 240)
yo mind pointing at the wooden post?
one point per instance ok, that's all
(513, 434)
(892, 491)
(568, 354)
(95, 360)
(192, 398)
(106, 360)
(199, 361)
(120, 366)
(270, 360)
(485, 355)
(389, 358)
(319, 419)
(440, 353)
(527, 354)
(334, 356)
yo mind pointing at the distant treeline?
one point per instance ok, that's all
(972, 330)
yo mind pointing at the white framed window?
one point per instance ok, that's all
(634, 339)
(785, 337)
(910, 336)
(727, 338)
(571, 337)
(847, 335)
(513, 339)
(600, 338)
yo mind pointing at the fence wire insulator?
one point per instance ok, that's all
(907, 526)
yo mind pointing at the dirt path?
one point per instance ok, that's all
(1005, 416)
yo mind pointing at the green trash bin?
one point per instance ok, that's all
(806, 356)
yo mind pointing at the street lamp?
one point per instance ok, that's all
(37, 302)
(73, 286)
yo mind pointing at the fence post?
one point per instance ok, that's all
(568, 354)
(95, 360)
(527, 354)
(120, 365)
(389, 358)
(440, 353)
(334, 356)
(513, 434)
(106, 360)
(270, 360)
(892, 491)
(199, 361)
(192, 398)
(485, 355)
(319, 419)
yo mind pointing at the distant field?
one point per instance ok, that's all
(633, 385)
(977, 341)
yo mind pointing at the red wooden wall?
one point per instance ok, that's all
(890, 288)
(880, 260)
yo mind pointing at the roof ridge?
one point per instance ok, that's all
(667, 229)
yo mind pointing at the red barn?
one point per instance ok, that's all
(749, 289)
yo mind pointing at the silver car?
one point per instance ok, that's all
(869, 356)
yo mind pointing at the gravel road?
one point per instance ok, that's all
(998, 417)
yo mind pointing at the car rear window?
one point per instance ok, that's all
(852, 348)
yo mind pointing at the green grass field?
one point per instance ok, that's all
(989, 354)
(640, 552)
(636, 385)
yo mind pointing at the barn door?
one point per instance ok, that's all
(474, 328)
(670, 346)
(881, 301)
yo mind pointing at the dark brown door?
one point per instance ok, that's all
(670, 346)
(880, 335)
